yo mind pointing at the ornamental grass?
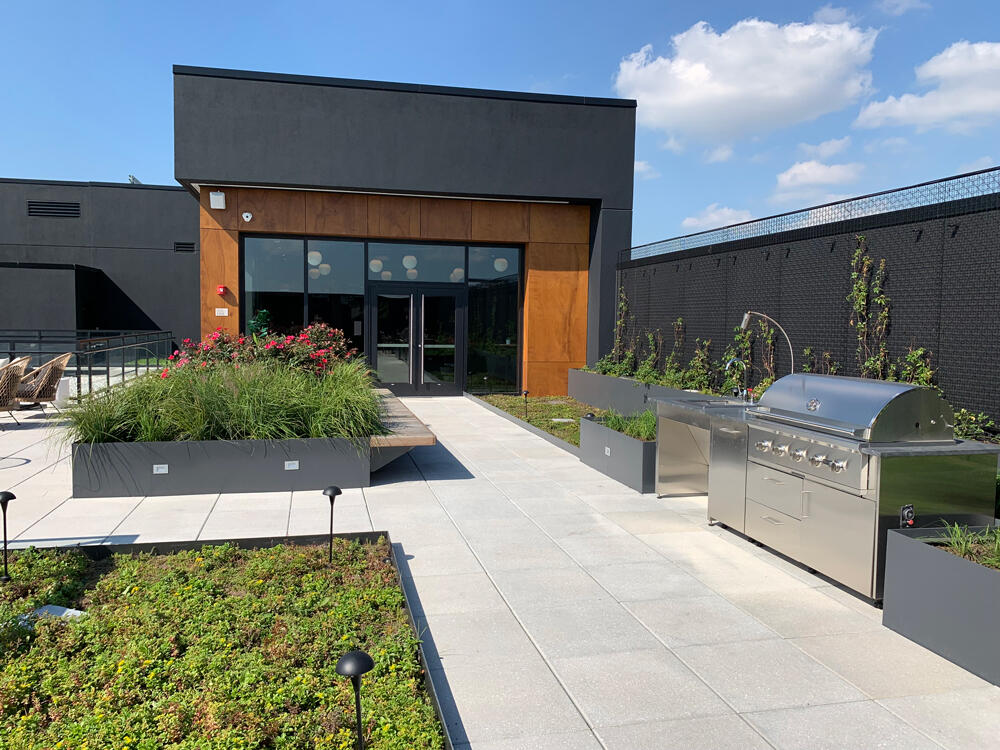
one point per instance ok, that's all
(257, 400)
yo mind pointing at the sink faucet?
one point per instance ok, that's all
(744, 393)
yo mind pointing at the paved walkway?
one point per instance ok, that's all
(563, 611)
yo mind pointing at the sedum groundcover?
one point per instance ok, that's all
(217, 648)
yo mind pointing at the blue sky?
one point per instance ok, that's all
(746, 110)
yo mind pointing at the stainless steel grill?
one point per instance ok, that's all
(834, 462)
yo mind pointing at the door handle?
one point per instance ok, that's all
(772, 479)
(806, 494)
(774, 521)
(730, 431)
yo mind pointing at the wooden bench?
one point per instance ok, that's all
(405, 432)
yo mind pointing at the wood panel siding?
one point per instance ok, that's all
(556, 239)
(215, 218)
(555, 314)
(551, 222)
(499, 221)
(336, 214)
(445, 219)
(272, 210)
(393, 217)
(220, 264)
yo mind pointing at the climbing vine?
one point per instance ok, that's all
(869, 312)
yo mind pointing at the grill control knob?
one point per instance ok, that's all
(763, 446)
(817, 460)
(780, 450)
(799, 455)
(838, 466)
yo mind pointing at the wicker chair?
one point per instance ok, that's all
(39, 385)
(10, 378)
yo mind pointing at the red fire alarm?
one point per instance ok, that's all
(221, 290)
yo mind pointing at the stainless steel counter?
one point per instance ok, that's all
(683, 440)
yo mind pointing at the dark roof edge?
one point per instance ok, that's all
(82, 183)
(414, 88)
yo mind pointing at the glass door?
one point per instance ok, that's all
(419, 338)
(394, 338)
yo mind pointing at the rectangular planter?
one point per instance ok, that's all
(625, 459)
(568, 447)
(945, 603)
(210, 466)
(624, 395)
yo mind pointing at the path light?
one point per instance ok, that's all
(589, 415)
(5, 497)
(331, 492)
(353, 664)
(525, 394)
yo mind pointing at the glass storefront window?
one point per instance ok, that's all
(416, 263)
(493, 315)
(335, 279)
(273, 284)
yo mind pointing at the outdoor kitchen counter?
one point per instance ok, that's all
(958, 447)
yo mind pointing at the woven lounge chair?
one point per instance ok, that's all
(39, 385)
(10, 378)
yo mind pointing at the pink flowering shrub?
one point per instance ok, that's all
(315, 349)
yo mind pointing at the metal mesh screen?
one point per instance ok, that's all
(972, 185)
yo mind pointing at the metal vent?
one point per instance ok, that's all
(183, 247)
(64, 209)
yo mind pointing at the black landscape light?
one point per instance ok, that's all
(5, 497)
(590, 415)
(353, 664)
(525, 394)
(331, 492)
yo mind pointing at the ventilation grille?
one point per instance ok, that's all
(183, 247)
(54, 208)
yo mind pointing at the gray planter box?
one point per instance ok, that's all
(624, 395)
(943, 602)
(625, 459)
(201, 467)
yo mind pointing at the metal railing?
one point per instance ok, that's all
(99, 357)
(972, 185)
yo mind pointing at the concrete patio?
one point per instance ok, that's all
(561, 610)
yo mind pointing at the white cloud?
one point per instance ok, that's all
(983, 162)
(718, 154)
(899, 7)
(645, 171)
(715, 215)
(826, 149)
(892, 145)
(673, 145)
(809, 181)
(965, 94)
(812, 173)
(754, 77)
(832, 14)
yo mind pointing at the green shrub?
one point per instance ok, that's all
(641, 426)
(256, 401)
(222, 648)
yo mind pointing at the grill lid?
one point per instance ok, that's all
(874, 410)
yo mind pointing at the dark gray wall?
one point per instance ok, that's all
(240, 128)
(23, 307)
(943, 279)
(126, 233)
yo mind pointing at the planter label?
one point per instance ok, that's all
(160, 468)
(291, 465)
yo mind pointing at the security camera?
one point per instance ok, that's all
(247, 216)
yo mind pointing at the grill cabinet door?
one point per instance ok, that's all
(838, 535)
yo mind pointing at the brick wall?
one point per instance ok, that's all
(943, 278)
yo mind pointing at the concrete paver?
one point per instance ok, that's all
(561, 609)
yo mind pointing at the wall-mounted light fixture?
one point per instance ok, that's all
(247, 216)
(221, 290)
(217, 200)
